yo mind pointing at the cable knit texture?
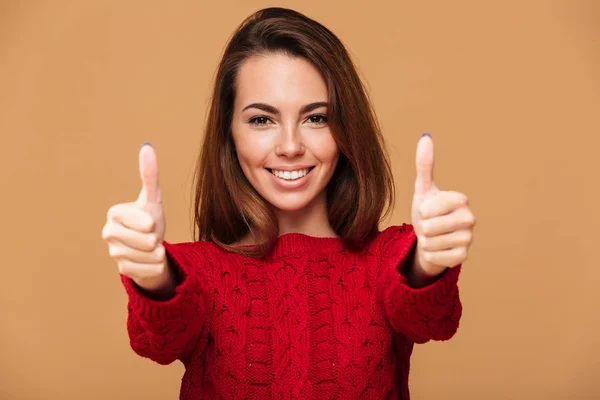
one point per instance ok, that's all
(312, 321)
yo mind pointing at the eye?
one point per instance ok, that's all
(318, 119)
(259, 121)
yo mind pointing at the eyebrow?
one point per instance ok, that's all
(272, 110)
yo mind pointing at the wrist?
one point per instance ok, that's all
(419, 276)
(161, 287)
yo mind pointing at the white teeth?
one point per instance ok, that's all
(290, 175)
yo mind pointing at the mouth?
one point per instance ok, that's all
(291, 175)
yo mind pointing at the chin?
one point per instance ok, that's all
(290, 205)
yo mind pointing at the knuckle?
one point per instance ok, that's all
(150, 223)
(107, 233)
(425, 243)
(426, 228)
(461, 197)
(112, 211)
(469, 218)
(153, 241)
(464, 238)
(423, 210)
(124, 268)
(130, 269)
(427, 256)
(114, 252)
(160, 253)
(468, 237)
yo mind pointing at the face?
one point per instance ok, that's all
(280, 129)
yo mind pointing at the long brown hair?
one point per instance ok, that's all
(361, 191)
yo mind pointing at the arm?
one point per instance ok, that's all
(431, 312)
(166, 330)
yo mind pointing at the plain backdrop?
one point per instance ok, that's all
(510, 91)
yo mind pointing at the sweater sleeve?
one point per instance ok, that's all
(421, 314)
(164, 331)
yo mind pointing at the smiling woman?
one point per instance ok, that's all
(287, 98)
(290, 290)
(284, 145)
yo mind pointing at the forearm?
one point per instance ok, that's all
(431, 312)
(417, 305)
(160, 326)
(416, 276)
(165, 289)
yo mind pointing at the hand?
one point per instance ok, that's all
(442, 220)
(135, 232)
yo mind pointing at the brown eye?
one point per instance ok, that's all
(259, 121)
(317, 119)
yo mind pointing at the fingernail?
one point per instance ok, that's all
(146, 143)
(426, 134)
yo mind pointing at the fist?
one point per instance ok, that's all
(442, 220)
(135, 231)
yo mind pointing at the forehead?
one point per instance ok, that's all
(279, 79)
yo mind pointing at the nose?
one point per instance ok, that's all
(289, 142)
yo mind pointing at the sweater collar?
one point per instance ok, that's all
(290, 243)
(297, 243)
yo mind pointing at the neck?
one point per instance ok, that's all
(311, 220)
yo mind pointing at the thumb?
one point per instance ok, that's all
(424, 161)
(149, 175)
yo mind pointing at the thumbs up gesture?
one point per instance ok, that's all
(135, 232)
(442, 220)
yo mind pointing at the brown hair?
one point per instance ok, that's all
(361, 190)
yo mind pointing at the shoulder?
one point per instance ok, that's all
(199, 247)
(199, 252)
(205, 259)
(392, 237)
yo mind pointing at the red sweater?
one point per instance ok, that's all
(313, 321)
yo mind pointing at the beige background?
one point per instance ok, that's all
(510, 91)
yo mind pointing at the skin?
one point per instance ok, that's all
(135, 231)
(442, 221)
(291, 131)
(286, 134)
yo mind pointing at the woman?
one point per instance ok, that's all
(290, 290)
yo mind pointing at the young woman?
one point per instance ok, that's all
(291, 291)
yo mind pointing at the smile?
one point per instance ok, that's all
(290, 175)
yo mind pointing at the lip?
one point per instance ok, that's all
(295, 184)
(290, 167)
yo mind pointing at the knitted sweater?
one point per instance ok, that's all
(312, 321)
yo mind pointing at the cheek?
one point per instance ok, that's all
(248, 161)
(250, 149)
(327, 149)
